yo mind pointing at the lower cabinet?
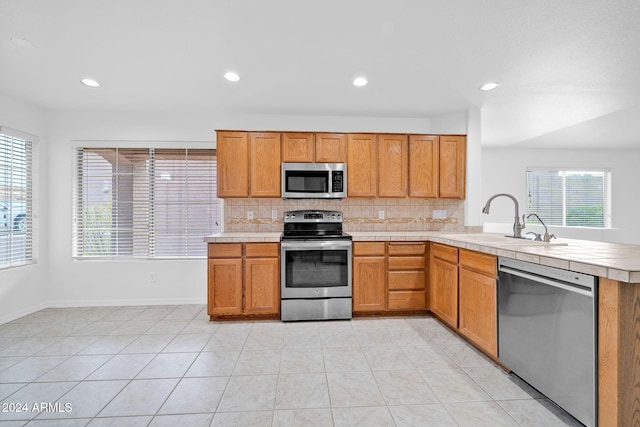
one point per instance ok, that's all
(369, 281)
(243, 280)
(463, 293)
(443, 286)
(478, 300)
(389, 277)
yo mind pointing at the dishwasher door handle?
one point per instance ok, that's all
(555, 284)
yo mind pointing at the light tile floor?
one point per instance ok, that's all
(170, 366)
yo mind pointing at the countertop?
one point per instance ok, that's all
(615, 261)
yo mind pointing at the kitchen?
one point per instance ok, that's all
(57, 280)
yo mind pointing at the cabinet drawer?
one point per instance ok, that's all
(407, 300)
(444, 252)
(262, 250)
(482, 263)
(406, 248)
(368, 248)
(406, 280)
(225, 250)
(407, 263)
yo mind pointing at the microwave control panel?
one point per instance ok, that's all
(337, 185)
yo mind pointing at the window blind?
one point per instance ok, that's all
(144, 202)
(570, 197)
(16, 201)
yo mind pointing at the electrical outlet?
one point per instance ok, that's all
(274, 214)
(381, 214)
(250, 215)
(439, 214)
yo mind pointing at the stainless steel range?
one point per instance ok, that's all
(315, 267)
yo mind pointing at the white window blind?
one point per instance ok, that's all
(132, 202)
(576, 198)
(16, 204)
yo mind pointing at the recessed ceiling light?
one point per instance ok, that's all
(90, 83)
(489, 86)
(360, 81)
(22, 42)
(231, 76)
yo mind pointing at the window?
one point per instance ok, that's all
(16, 232)
(132, 202)
(578, 198)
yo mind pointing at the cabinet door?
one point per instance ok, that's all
(225, 286)
(478, 310)
(393, 164)
(297, 147)
(361, 165)
(262, 285)
(444, 291)
(233, 164)
(369, 285)
(264, 155)
(423, 166)
(452, 166)
(331, 147)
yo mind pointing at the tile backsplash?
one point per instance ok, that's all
(359, 214)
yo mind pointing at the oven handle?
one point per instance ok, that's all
(317, 245)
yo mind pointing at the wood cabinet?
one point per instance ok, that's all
(452, 166)
(477, 299)
(362, 165)
(331, 147)
(264, 162)
(232, 155)
(406, 277)
(298, 147)
(389, 277)
(393, 165)
(423, 166)
(243, 280)
(369, 278)
(310, 147)
(248, 164)
(443, 286)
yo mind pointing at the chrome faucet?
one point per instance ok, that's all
(517, 225)
(547, 237)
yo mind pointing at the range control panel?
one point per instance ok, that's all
(312, 216)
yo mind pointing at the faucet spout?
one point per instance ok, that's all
(517, 225)
(547, 237)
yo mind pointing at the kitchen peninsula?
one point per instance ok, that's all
(618, 269)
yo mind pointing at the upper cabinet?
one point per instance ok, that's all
(232, 154)
(423, 166)
(310, 147)
(298, 147)
(331, 147)
(393, 165)
(361, 165)
(378, 165)
(248, 164)
(264, 159)
(452, 165)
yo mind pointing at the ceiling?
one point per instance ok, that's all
(569, 70)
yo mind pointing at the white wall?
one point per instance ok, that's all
(504, 171)
(24, 289)
(107, 282)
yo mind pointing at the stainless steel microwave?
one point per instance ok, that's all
(314, 180)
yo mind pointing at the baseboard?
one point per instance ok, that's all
(21, 313)
(125, 302)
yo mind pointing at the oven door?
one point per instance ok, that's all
(315, 268)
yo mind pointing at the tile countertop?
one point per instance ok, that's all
(615, 261)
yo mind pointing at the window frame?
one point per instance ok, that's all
(30, 204)
(127, 145)
(608, 199)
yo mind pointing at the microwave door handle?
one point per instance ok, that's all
(330, 183)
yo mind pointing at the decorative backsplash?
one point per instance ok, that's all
(359, 214)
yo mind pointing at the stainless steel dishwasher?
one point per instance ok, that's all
(547, 321)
